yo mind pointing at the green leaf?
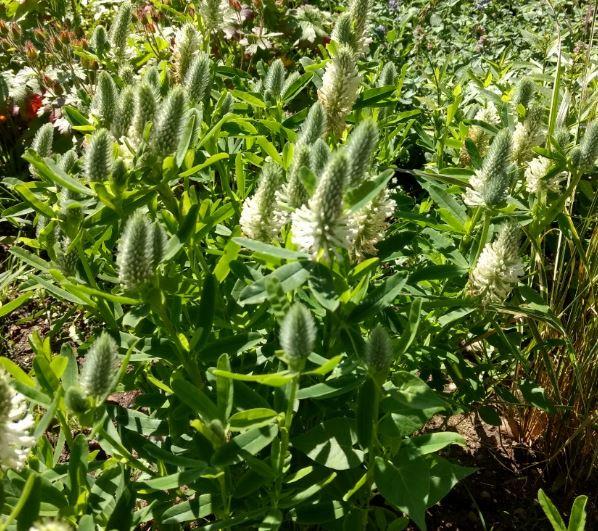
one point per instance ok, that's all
(173, 481)
(269, 250)
(251, 418)
(326, 367)
(367, 411)
(252, 442)
(431, 442)
(330, 444)
(577, 521)
(414, 392)
(274, 380)
(198, 507)
(296, 87)
(185, 140)
(551, 512)
(11, 306)
(252, 99)
(195, 398)
(368, 190)
(406, 486)
(444, 475)
(208, 162)
(42, 207)
(48, 169)
(290, 276)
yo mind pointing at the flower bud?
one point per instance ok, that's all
(76, 400)
(98, 156)
(140, 251)
(343, 32)
(105, 99)
(320, 153)
(314, 126)
(198, 78)
(68, 161)
(120, 28)
(125, 111)
(297, 336)
(119, 174)
(524, 92)
(211, 14)
(379, 353)
(42, 141)
(168, 126)
(296, 194)
(589, 146)
(388, 76)
(275, 79)
(145, 108)
(328, 197)
(340, 84)
(360, 148)
(188, 43)
(99, 40)
(360, 10)
(100, 368)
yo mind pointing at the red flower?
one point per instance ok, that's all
(32, 105)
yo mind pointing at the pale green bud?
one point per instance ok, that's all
(140, 251)
(296, 193)
(120, 28)
(66, 258)
(360, 10)
(379, 353)
(42, 141)
(188, 43)
(169, 123)
(314, 126)
(152, 76)
(98, 157)
(328, 197)
(126, 74)
(119, 174)
(274, 80)
(76, 400)
(524, 92)
(297, 335)
(589, 146)
(340, 84)
(320, 153)
(199, 78)
(360, 148)
(105, 99)
(145, 108)
(68, 161)
(100, 367)
(99, 40)
(343, 31)
(211, 14)
(388, 76)
(126, 110)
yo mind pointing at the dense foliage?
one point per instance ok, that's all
(273, 240)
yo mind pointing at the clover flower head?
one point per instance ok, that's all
(488, 114)
(536, 177)
(100, 367)
(297, 335)
(15, 425)
(499, 267)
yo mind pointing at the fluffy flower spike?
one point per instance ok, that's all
(320, 153)
(99, 40)
(527, 135)
(169, 124)
(100, 367)
(589, 146)
(344, 32)
(105, 99)
(120, 28)
(314, 126)
(489, 185)
(212, 14)
(274, 80)
(188, 42)
(15, 426)
(388, 76)
(124, 114)
(360, 148)
(320, 227)
(199, 77)
(340, 84)
(98, 157)
(499, 267)
(379, 353)
(260, 219)
(370, 224)
(145, 108)
(524, 92)
(140, 251)
(537, 180)
(297, 335)
(42, 141)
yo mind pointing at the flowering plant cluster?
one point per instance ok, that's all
(258, 306)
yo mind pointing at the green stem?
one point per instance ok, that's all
(284, 443)
(483, 236)
(372, 450)
(27, 489)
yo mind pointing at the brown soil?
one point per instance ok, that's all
(502, 494)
